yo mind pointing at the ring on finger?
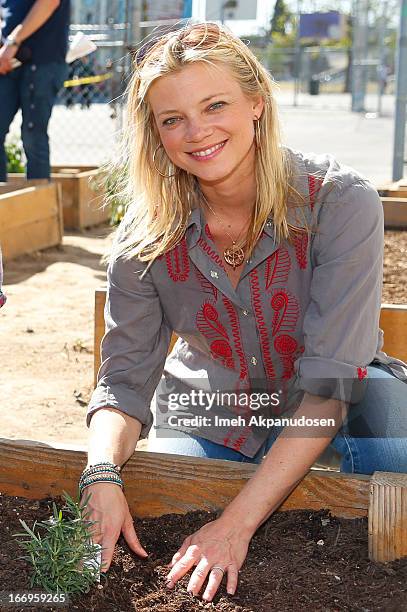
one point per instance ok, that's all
(217, 567)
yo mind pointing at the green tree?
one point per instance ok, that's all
(282, 18)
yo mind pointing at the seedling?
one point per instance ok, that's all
(61, 551)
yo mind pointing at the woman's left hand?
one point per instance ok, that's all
(216, 550)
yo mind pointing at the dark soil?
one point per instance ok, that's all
(395, 267)
(298, 560)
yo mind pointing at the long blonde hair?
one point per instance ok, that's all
(158, 207)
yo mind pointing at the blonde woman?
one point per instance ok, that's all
(267, 263)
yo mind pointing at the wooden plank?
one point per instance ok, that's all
(25, 206)
(388, 516)
(395, 212)
(92, 210)
(72, 169)
(397, 189)
(158, 483)
(9, 186)
(30, 220)
(393, 321)
(81, 199)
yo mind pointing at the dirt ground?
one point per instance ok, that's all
(46, 333)
(297, 560)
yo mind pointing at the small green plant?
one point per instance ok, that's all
(61, 551)
(111, 180)
(15, 157)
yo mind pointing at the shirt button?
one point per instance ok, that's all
(214, 274)
(33, 67)
(31, 86)
(253, 360)
(32, 106)
(30, 125)
(245, 312)
(269, 223)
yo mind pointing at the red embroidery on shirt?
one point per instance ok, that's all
(208, 232)
(177, 260)
(362, 373)
(208, 322)
(285, 345)
(264, 339)
(289, 351)
(237, 445)
(209, 251)
(301, 245)
(220, 349)
(314, 185)
(206, 285)
(237, 336)
(277, 268)
(286, 312)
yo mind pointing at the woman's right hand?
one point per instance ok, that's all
(108, 506)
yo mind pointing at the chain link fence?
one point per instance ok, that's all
(87, 116)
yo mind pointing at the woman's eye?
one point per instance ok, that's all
(217, 105)
(170, 121)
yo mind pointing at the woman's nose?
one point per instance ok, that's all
(197, 130)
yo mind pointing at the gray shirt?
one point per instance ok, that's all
(303, 317)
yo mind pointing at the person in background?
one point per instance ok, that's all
(36, 30)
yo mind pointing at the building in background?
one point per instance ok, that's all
(222, 10)
(114, 11)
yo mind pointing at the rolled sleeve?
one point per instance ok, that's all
(342, 319)
(134, 346)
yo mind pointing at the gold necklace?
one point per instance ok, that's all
(233, 255)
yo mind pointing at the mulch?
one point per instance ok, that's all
(298, 560)
(395, 267)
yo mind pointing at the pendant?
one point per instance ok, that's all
(233, 256)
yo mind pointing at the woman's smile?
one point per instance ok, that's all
(208, 153)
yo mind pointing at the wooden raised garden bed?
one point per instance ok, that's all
(158, 484)
(30, 219)
(82, 197)
(395, 212)
(394, 200)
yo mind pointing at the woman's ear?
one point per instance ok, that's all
(258, 107)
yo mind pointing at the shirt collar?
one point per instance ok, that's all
(194, 226)
(295, 214)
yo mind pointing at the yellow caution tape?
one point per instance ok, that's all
(88, 80)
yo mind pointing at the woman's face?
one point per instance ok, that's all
(205, 121)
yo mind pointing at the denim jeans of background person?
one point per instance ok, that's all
(32, 87)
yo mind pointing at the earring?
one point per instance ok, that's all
(257, 141)
(167, 176)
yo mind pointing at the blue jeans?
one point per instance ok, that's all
(372, 438)
(33, 88)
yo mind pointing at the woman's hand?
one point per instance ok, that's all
(216, 549)
(108, 506)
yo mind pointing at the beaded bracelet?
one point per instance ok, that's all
(100, 472)
(87, 483)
